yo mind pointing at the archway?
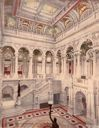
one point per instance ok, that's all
(8, 60)
(7, 93)
(37, 62)
(84, 48)
(23, 62)
(70, 60)
(49, 63)
(80, 104)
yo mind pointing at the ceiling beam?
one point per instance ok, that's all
(41, 4)
(16, 5)
(63, 13)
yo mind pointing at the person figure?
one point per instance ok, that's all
(54, 121)
(18, 91)
(18, 101)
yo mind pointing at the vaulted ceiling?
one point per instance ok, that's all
(49, 17)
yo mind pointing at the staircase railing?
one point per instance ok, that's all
(38, 87)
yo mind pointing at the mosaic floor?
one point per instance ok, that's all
(40, 119)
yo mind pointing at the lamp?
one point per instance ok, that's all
(54, 121)
(50, 103)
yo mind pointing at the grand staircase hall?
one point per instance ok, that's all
(49, 63)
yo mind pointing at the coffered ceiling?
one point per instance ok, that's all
(48, 17)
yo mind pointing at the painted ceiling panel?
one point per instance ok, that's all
(39, 15)
(50, 10)
(31, 3)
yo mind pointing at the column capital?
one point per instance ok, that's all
(16, 53)
(30, 56)
(43, 57)
(77, 52)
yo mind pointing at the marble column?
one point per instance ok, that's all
(86, 67)
(78, 65)
(71, 100)
(88, 101)
(94, 64)
(16, 65)
(30, 74)
(62, 61)
(44, 66)
(92, 107)
(74, 66)
(65, 66)
(54, 66)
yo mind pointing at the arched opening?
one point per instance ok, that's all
(80, 104)
(49, 63)
(8, 61)
(37, 62)
(84, 48)
(70, 61)
(59, 63)
(7, 93)
(23, 62)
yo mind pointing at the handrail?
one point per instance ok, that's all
(26, 92)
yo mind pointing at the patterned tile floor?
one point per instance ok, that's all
(40, 119)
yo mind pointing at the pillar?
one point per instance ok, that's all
(93, 107)
(16, 65)
(62, 60)
(88, 106)
(30, 74)
(94, 64)
(86, 67)
(78, 65)
(44, 66)
(54, 66)
(64, 65)
(74, 65)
